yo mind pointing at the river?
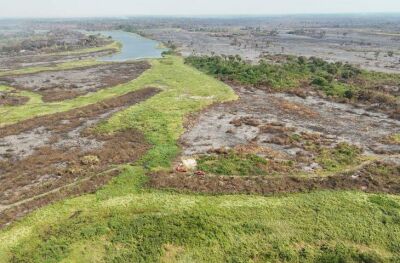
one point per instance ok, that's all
(133, 47)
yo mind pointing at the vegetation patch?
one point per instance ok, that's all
(12, 98)
(233, 164)
(392, 139)
(341, 155)
(112, 47)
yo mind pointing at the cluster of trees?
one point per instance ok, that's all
(287, 74)
(131, 29)
(340, 80)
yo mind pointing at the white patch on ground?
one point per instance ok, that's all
(24, 144)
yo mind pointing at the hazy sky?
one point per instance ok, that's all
(74, 8)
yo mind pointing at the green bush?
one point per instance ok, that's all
(319, 81)
(233, 164)
(342, 155)
(290, 73)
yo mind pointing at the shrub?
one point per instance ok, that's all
(319, 81)
(342, 155)
(233, 164)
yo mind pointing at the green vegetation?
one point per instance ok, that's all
(125, 222)
(131, 29)
(396, 138)
(334, 79)
(286, 74)
(233, 164)
(34, 98)
(114, 46)
(332, 160)
(382, 169)
(150, 226)
(341, 156)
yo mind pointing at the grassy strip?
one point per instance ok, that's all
(34, 98)
(125, 223)
(114, 46)
(61, 66)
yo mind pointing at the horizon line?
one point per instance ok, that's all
(201, 15)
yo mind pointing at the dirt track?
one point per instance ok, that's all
(51, 152)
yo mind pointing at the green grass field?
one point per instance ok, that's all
(127, 222)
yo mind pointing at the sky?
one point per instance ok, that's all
(93, 8)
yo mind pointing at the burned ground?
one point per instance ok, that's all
(9, 98)
(45, 60)
(374, 177)
(31, 48)
(302, 142)
(284, 122)
(67, 84)
(50, 157)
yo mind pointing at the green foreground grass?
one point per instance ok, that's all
(125, 222)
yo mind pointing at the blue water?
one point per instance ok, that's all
(133, 47)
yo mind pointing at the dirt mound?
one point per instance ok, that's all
(68, 84)
(50, 157)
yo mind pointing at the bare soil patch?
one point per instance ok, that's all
(50, 157)
(67, 84)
